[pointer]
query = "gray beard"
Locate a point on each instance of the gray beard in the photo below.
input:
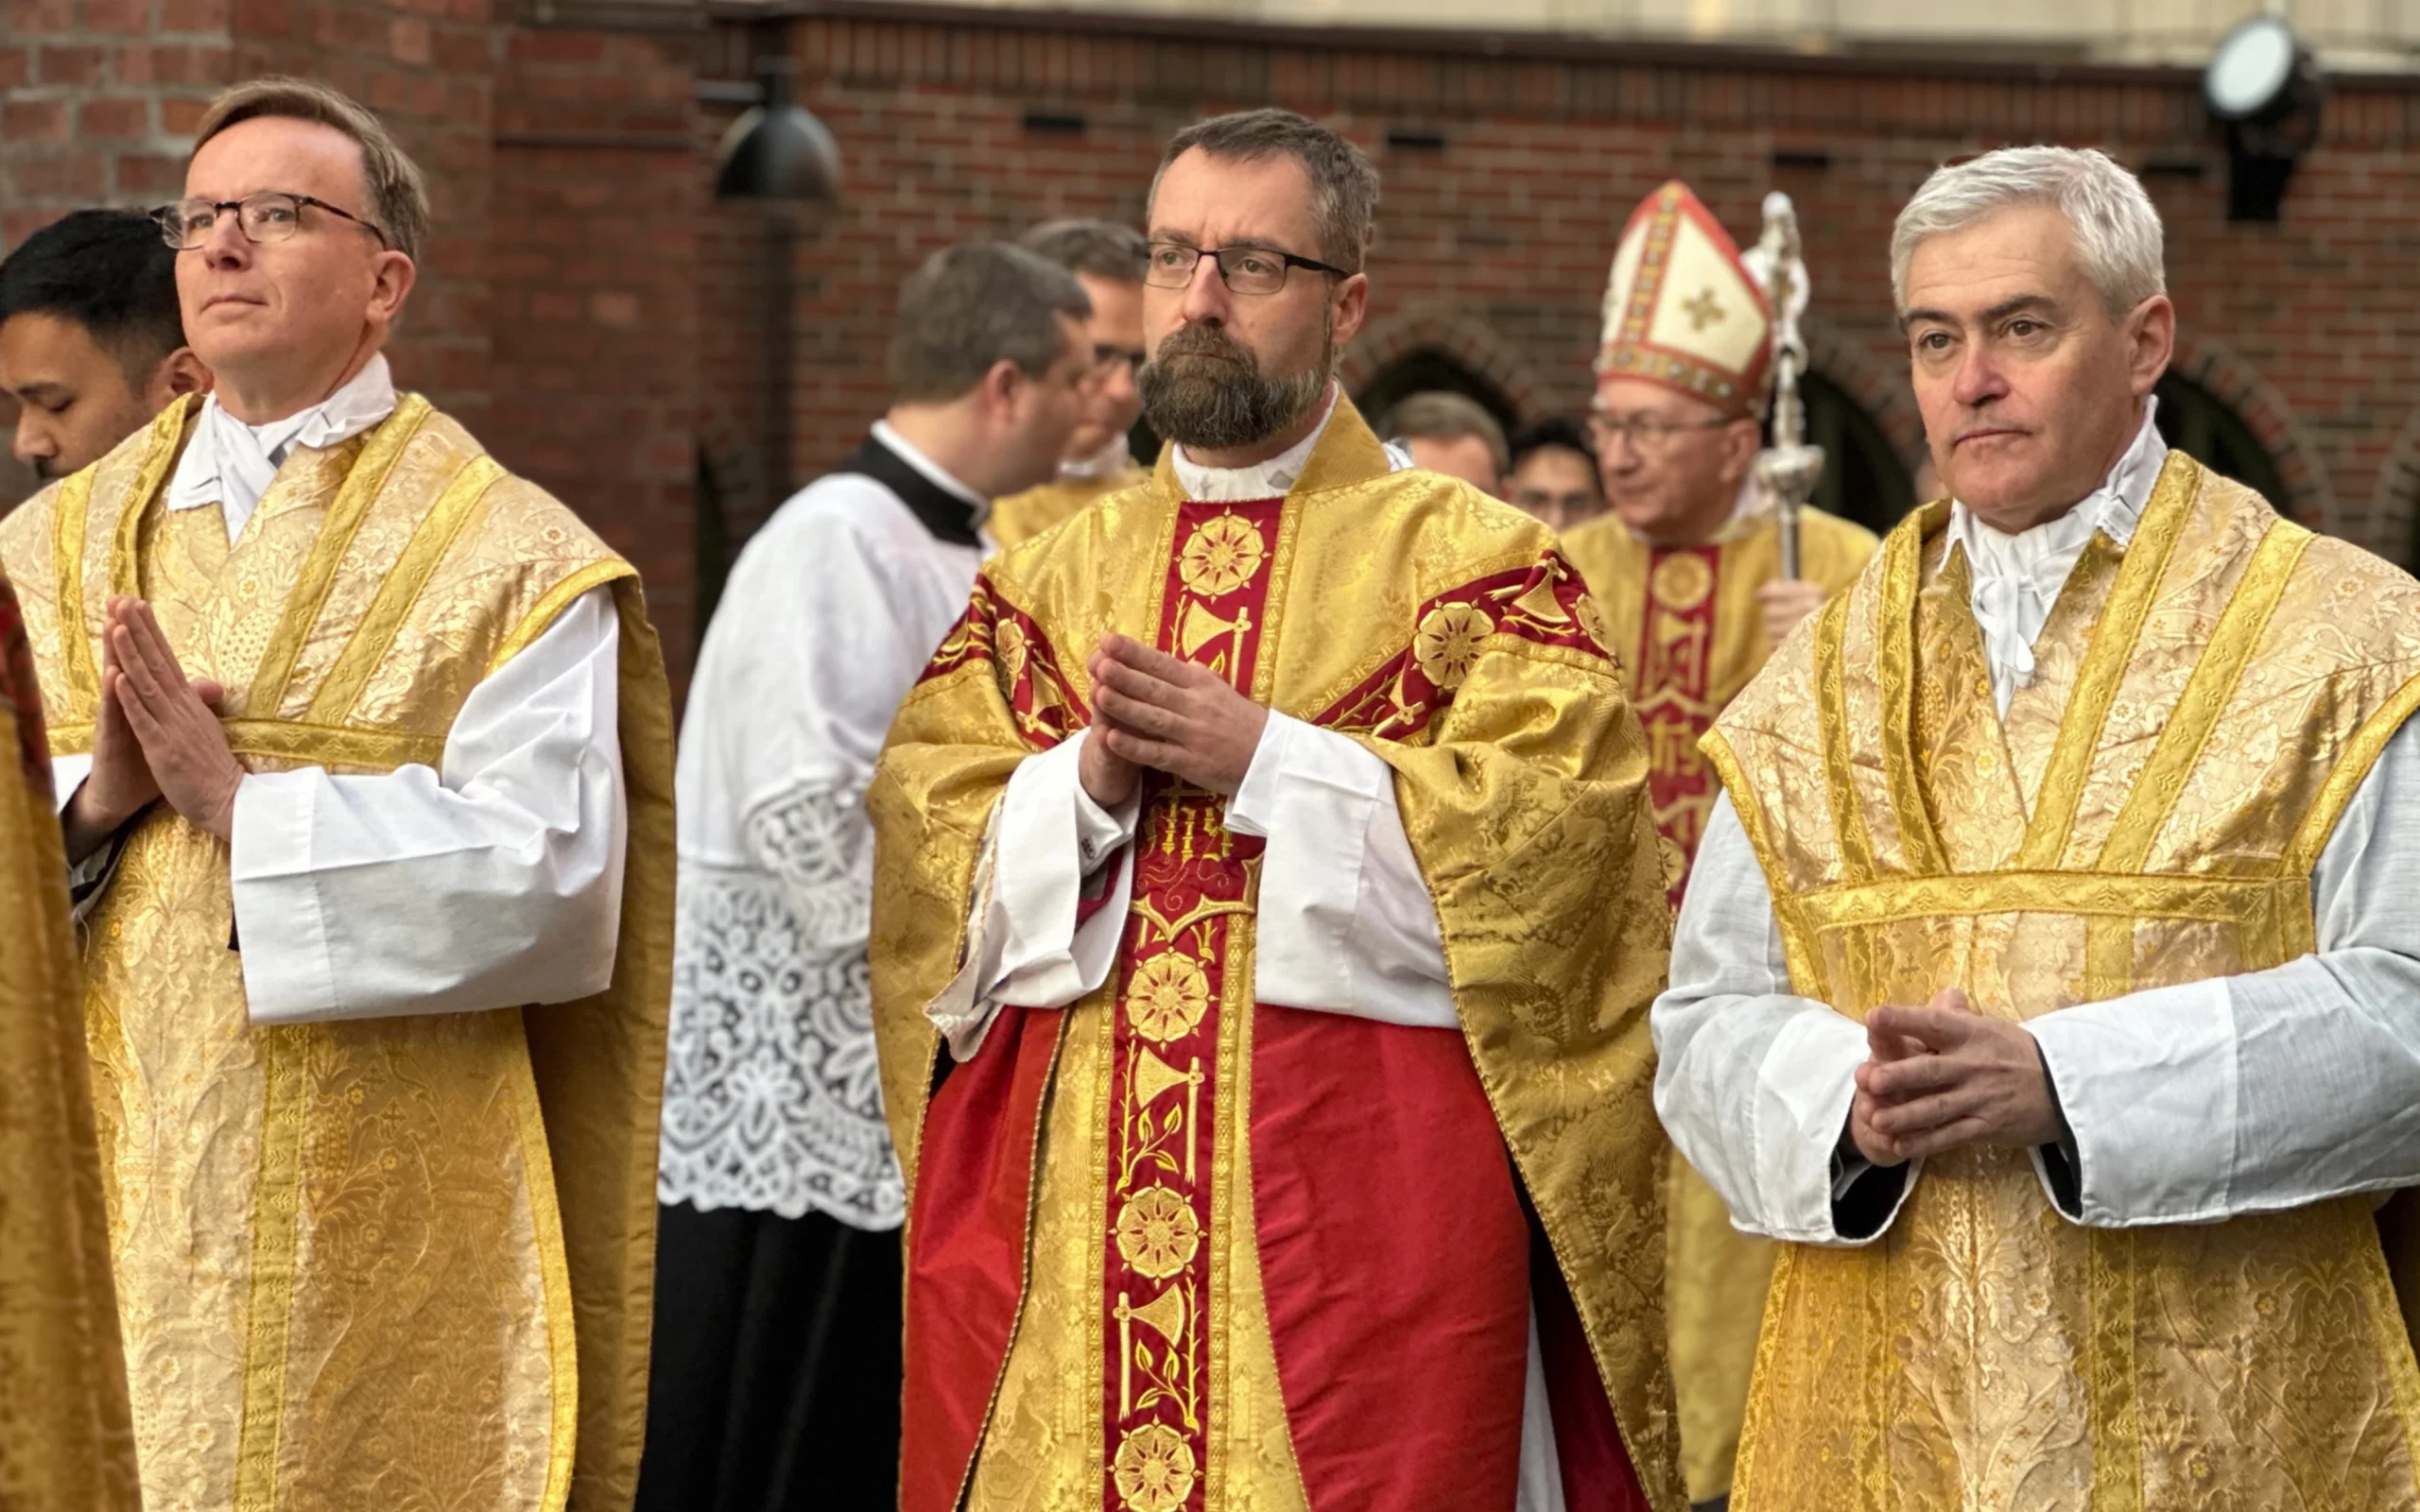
(1213, 404)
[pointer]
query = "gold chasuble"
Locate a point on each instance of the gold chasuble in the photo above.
(1685, 621)
(2149, 813)
(1175, 1250)
(64, 1437)
(386, 1262)
(1020, 517)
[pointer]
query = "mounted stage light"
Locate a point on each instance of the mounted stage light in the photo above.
(2263, 87)
(778, 150)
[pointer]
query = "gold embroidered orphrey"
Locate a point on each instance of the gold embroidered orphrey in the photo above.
(1556, 1035)
(2149, 813)
(402, 1261)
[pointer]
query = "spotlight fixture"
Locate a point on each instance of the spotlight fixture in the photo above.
(778, 150)
(2263, 88)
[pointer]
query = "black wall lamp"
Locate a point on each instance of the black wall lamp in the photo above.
(2263, 88)
(777, 149)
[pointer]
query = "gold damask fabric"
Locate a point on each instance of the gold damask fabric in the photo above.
(1685, 621)
(396, 1262)
(2148, 812)
(1523, 797)
(1020, 517)
(65, 1441)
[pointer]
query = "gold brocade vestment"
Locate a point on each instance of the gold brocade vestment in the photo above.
(1143, 1372)
(64, 1437)
(1686, 622)
(2148, 813)
(397, 1263)
(1020, 517)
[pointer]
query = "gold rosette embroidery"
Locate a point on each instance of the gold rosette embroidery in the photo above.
(1448, 643)
(1592, 620)
(1154, 1468)
(1221, 556)
(1681, 581)
(1157, 1232)
(1167, 997)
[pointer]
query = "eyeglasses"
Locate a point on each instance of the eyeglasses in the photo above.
(270, 216)
(1646, 433)
(1246, 269)
(1108, 359)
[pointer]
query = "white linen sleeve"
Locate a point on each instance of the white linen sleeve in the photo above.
(1753, 1082)
(2273, 1089)
(1345, 923)
(1047, 844)
(494, 882)
(68, 774)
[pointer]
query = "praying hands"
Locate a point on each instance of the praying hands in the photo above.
(1942, 1076)
(157, 736)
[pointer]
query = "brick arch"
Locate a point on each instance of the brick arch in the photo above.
(2310, 497)
(2395, 512)
(1879, 387)
(1459, 334)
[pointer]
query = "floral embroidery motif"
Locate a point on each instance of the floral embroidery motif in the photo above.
(1223, 553)
(1154, 1469)
(1448, 641)
(1157, 1232)
(1167, 997)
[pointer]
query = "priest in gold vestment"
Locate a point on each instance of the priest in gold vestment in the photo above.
(2048, 980)
(1260, 950)
(1687, 567)
(65, 1438)
(365, 747)
(1107, 259)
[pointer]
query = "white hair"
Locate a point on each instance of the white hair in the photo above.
(2116, 230)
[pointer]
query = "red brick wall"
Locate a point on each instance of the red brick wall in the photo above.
(1498, 243)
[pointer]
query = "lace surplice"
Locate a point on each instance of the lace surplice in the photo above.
(770, 1097)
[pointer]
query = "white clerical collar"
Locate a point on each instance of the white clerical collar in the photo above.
(230, 464)
(1261, 480)
(933, 471)
(2017, 578)
(1106, 463)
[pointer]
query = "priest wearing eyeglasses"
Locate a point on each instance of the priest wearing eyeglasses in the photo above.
(1266, 913)
(365, 748)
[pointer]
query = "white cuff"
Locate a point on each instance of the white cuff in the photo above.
(1344, 922)
(1803, 1090)
(68, 774)
(2150, 1086)
(281, 930)
(1023, 943)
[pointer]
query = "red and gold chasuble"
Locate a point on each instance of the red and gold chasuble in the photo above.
(1173, 1249)
(1686, 619)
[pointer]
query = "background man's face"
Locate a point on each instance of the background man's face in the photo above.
(1678, 482)
(1457, 456)
(297, 301)
(1558, 486)
(1048, 410)
(1115, 338)
(75, 400)
(2029, 389)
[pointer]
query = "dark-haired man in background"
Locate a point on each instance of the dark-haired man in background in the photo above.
(1452, 434)
(1107, 260)
(1554, 473)
(776, 1369)
(91, 344)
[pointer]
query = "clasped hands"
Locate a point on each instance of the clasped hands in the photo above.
(157, 736)
(1150, 708)
(1942, 1076)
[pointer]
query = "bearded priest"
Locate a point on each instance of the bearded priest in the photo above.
(366, 753)
(1266, 910)
(2048, 983)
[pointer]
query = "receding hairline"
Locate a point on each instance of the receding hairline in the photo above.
(1156, 232)
(356, 151)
